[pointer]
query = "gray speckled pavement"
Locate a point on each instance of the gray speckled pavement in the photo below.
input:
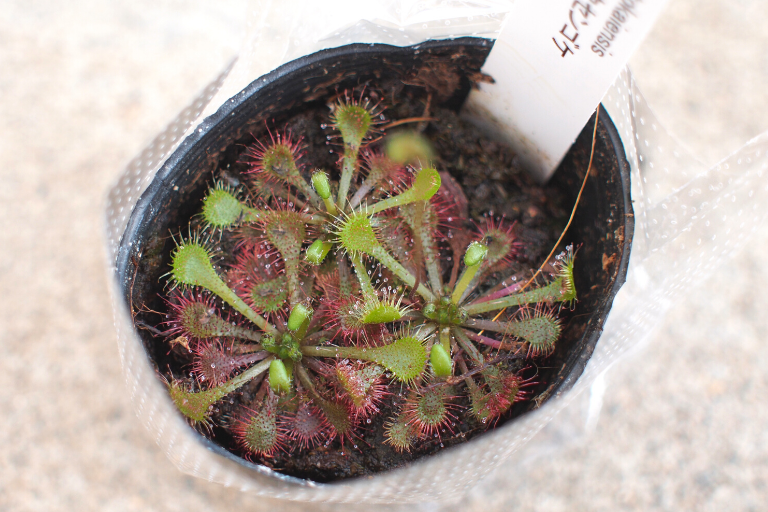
(84, 84)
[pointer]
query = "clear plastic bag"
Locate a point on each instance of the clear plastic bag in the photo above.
(688, 219)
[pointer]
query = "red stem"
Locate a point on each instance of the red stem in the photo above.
(483, 339)
(509, 290)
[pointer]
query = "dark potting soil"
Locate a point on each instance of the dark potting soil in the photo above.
(488, 175)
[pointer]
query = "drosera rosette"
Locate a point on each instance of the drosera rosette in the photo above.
(280, 351)
(473, 352)
(353, 299)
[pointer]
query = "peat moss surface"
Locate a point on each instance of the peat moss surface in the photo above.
(351, 290)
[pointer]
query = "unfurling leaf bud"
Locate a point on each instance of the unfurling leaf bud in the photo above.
(279, 380)
(317, 252)
(475, 254)
(321, 184)
(299, 315)
(440, 361)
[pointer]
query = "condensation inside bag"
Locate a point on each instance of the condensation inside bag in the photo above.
(688, 219)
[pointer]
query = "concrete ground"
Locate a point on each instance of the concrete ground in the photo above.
(84, 85)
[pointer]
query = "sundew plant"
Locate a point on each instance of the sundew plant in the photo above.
(346, 289)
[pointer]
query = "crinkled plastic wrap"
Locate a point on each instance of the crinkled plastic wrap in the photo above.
(688, 219)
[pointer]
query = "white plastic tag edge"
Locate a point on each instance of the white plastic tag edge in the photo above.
(552, 64)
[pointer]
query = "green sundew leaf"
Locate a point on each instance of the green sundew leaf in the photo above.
(338, 416)
(479, 402)
(192, 266)
(541, 332)
(353, 121)
(502, 382)
(565, 272)
(503, 387)
(278, 160)
(286, 231)
(405, 358)
(358, 383)
(429, 408)
(195, 406)
(381, 314)
(201, 321)
(260, 434)
(559, 290)
(399, 433)
(269, 296)
(425, 185)
(356, 234)
(221, 209)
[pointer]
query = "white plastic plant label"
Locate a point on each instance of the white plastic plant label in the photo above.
(552, 64)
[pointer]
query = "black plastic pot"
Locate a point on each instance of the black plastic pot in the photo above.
(603, 226)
